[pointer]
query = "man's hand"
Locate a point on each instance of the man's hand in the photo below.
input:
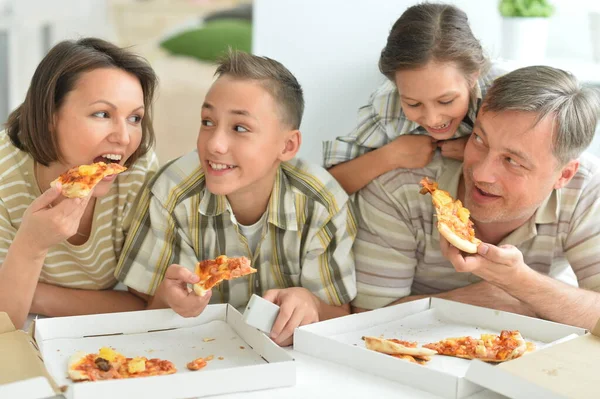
(500, 266)
(454, 148)
(174, 292)
(411, 151)
(298, 307)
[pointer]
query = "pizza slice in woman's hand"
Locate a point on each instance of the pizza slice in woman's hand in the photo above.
(454, 222)
(213, 271)
(78, 182)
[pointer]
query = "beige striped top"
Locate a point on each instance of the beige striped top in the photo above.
(306, 237)
(397, 249)
(87, 266)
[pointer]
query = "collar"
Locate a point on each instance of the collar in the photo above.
(281, 210)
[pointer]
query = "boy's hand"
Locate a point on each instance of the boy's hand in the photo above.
(298, 307)
(175, 293)
(411, 151)
(454, 148)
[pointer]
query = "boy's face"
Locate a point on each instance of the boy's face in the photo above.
(242, 139)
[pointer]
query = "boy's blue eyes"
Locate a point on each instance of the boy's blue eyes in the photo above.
(237, 128)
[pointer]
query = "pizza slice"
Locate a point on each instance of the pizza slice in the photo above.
(454, 222)
(397, 347)
(108, 364)
(79, 181)
(104, 365)
(489, 347)
(213, 271)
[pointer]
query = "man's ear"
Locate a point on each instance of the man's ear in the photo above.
(291, 145)
(566, 174)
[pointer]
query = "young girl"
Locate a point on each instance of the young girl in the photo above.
(88, 101)
(437, 76)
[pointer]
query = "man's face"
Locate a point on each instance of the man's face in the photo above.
(509, 168)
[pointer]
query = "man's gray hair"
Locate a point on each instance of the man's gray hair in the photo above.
(550, 92)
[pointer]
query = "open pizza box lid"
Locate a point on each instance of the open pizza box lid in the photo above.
(567, 369)
(22, 371)
(238, 349)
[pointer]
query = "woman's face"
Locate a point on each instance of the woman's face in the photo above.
(435, 96)
(100, 120)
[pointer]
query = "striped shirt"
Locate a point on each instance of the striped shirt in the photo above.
(306, 237)
(382, 120)
(87, 266)
(398, 251)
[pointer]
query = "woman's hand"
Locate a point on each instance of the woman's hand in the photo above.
(45, 225)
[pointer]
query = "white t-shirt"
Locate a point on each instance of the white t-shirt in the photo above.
(253, 233)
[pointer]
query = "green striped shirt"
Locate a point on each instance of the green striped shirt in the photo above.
(382, 120)
(307, 235)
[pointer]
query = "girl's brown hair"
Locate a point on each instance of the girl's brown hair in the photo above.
(432, 32)
(29, 125)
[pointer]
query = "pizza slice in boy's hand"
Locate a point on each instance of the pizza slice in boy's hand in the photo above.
(79, 181)
(453, 219)
(213, 271)
(489, 348)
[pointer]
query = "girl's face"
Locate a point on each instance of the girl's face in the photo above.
(100, 120)
(436, 96)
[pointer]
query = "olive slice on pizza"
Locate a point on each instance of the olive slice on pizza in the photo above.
(78, 182)
(454, 222)
(213, 271)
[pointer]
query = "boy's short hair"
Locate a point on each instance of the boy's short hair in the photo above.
(274, 77)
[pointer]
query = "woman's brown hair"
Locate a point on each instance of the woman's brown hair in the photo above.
(29, 125)
(432, 32)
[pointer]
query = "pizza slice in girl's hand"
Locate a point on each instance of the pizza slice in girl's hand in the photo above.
(489, 348)
(213, 271)
(454, 221)
(79, 181)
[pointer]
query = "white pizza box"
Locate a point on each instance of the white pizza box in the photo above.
(424, 321)
(250, 360)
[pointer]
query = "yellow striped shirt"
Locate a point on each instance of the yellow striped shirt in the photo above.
(87, 266)
(306, 238)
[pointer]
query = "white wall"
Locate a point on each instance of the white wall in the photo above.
(332, 46)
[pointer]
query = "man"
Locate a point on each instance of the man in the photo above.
(534, 200)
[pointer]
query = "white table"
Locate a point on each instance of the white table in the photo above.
(317, 378)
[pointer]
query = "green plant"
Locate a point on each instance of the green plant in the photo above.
(526, 8)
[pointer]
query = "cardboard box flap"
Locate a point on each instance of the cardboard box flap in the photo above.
(564, 370)
(20, 355)
(596, 330)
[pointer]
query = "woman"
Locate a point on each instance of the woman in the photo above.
(437, 76)
(88, 101)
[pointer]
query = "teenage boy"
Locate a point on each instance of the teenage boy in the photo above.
(242, 193)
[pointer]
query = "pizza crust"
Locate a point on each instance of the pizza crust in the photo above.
(453, 239)
(392, 348)
(199, 290)
(73, 190)
(75, 359)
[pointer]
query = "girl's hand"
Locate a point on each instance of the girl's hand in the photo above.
(45, 225)
(454, 148)
(412, 151)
